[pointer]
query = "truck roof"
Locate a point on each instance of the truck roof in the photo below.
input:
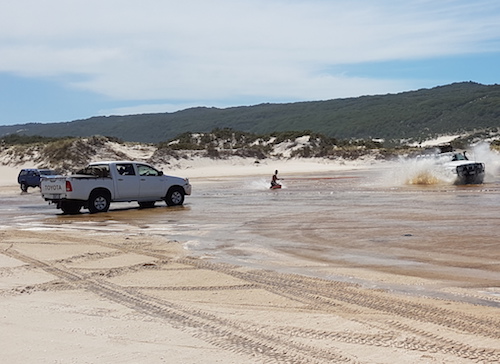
(120, 161)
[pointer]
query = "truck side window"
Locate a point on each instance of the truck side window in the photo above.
(146, 170)
(125, 169)
(101, 171)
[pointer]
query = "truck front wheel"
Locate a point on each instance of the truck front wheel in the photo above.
(175, 196)
(99, 202)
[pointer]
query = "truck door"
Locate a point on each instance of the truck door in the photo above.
(127, 181)
(152, 183)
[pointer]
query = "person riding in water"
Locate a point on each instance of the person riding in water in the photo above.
(274, 180)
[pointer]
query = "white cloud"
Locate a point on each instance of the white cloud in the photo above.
(220, 50)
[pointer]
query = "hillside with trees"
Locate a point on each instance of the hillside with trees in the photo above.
(415, 115)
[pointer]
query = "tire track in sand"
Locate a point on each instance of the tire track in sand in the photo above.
(284, 345)
(226, 334)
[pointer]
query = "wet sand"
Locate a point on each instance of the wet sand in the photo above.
(335, 267)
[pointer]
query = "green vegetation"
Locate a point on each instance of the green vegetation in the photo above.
(67, 153)
(495, 145)
(59, 153)
(21, 139)
(224, 143)
(411, 116)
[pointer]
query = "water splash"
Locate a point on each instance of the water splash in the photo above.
(483, 153)
(427, 170)
(260, 184)
(423, 178)
(415, 171)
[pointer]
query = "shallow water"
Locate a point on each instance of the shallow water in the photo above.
(320, 225)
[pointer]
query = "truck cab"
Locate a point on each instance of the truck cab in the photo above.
(100, 183)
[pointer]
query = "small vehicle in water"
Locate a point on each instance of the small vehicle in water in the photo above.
(463, 171)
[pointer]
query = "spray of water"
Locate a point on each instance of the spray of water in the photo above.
(483, 153)
(419, 171)
(257, 184)
(260, 184)
(426, 171)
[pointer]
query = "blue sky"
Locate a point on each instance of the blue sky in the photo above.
(65, 60)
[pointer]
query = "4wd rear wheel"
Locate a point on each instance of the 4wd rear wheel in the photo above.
(24, 187)
(99, 202)
(70, 207)
(146, 204)
(175, 196)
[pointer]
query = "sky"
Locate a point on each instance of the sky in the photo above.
(64, 60)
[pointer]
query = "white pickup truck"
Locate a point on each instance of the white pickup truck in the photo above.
(100, 183)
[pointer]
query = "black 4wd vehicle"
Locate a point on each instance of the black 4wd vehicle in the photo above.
(30, 177)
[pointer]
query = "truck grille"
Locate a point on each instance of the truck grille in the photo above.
(470, 169)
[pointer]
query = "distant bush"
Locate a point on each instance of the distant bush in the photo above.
(223, 143)
(289, 135)
(60, 150)
(180, 146)
(20, 139)
(212, 152)
(184, 141)
(113, 139)
(252, 152)
(495, 145)
(233, 138)
(67, 153)
(306, 152)
(218, 138)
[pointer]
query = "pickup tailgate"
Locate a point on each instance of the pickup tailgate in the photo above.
(53, 188)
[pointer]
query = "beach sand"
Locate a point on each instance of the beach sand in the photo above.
(121, 297)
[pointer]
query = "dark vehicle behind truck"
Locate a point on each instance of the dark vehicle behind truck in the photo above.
(30, 177)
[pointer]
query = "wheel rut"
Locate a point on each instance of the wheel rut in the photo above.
(401, 326)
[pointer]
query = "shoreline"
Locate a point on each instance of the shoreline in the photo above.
(233, 167)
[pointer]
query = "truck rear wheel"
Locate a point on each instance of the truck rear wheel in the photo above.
(146, 204)
(175, 196)
(70, 207)
(99, 202)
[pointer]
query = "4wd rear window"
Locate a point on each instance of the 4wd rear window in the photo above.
(98, 170)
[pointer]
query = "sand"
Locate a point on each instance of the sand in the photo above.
(116, 297)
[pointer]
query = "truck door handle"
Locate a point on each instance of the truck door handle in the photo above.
(143, 179)
(120, 179)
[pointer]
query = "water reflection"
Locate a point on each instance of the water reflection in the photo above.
(319, 224)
